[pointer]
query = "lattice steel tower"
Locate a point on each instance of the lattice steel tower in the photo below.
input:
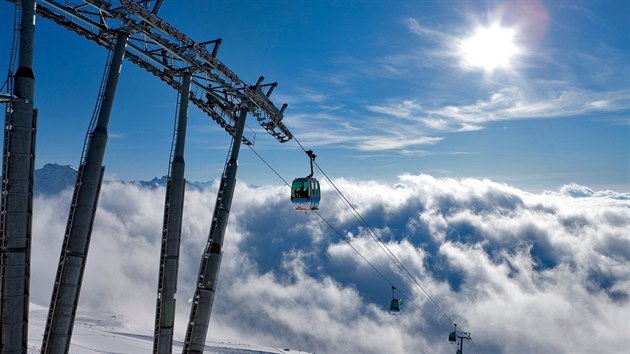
(133, 31)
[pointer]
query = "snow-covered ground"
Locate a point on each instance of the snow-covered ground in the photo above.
(106, 333)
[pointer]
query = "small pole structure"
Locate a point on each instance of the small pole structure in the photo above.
(455, 335)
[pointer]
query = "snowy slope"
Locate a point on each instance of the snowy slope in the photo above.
(54, 178)
(105, 334)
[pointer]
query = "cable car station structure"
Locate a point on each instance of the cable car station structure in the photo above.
(133, 31)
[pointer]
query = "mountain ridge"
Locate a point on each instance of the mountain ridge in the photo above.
(54, 178)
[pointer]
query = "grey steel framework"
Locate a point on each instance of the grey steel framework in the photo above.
(17, 193)
(76, 242)
(128, 30)
(211, 259)
(172, 228)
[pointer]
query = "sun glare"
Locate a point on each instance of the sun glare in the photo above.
(489, 48)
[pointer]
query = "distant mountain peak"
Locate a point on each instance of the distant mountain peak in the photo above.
(53, 178)
(162, 181)
(56, 166)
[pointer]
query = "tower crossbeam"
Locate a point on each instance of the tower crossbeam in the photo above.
(165, 51)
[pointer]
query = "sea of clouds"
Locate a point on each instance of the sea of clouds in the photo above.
(526, 273)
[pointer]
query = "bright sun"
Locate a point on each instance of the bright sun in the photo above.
(489, 48)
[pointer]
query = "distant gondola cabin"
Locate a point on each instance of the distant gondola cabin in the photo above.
(305, 193)
(394, 306)
(452, 337)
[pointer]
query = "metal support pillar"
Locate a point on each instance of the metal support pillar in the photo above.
(171, 231)
(452, 337)
(17, 194)
(211, 259)
(67, 287)
(156, 7)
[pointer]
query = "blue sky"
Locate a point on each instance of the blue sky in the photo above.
(376, 88)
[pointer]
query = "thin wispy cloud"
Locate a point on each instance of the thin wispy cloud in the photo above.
(510, 104)
(514, 103)
(392, 142)
(373, 134)
(582, 11)
(420, 122)
(434, 35)
(116, 136)
(404, 109)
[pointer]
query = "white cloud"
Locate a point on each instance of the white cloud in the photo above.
(518, 270)
(376, 143)
(514, 103)
(404, 109)
(373, 134)
(440, 37)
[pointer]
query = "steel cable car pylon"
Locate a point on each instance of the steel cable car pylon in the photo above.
(455, 334)
(203, 299)
(172, 227)
(17, 192)
(305, 191)
(73, 258)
